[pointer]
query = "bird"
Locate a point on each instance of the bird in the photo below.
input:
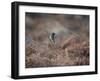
(52, 37)
(52, 40)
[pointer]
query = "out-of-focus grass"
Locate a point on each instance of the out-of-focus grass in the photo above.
(71, 53)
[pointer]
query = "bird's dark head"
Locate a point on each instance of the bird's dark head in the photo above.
(53, 34)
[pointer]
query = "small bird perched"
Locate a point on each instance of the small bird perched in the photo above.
(52, 38)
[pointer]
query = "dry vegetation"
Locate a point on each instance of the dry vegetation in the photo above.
(71, 47)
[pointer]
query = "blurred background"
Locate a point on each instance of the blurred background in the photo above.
(69, 46)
